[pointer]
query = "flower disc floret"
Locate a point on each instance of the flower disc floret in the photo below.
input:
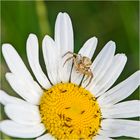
(70, 112)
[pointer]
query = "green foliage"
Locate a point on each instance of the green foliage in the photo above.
(19, 18)
(107, 20)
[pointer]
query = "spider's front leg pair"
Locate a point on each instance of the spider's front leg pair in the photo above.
(74, 55)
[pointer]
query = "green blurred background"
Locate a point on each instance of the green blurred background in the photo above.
(107, 20)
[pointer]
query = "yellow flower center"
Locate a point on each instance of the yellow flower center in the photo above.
(70, 112)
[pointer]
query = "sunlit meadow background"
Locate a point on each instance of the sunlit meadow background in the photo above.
(108, 20)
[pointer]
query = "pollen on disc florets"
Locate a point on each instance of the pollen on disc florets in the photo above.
(70, 112)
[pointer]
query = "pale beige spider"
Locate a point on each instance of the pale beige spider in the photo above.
(82, 65)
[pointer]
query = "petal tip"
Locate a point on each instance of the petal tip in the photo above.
(47, 39)
(94, 39)
(59, 15)
(31, 35)
(123, 55)
(111, 43)
(6, 46)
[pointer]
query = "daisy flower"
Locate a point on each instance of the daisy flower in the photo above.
(60, 104)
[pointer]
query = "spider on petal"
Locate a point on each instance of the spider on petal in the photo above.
(82, 65)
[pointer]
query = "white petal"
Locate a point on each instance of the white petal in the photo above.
(24, 89)
(87, 50)
(64, 42)
(23, 113)
(99, 137)
(106, 53)
(110, 76)
(14, 129)
(120, 91)
(16, 65)
(101, 63)
(89, 47)
(51, 58)
(6, 99)
(33, 58)
(126, 109)
(119, 127)
(14, 62)
(46, 137)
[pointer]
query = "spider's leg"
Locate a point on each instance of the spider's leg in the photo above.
(75, 64)
(74, 54)
(87, 76)
(91, 77)
(68, 60)
(90, 74)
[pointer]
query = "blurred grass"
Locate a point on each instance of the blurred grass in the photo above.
(107, 20)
